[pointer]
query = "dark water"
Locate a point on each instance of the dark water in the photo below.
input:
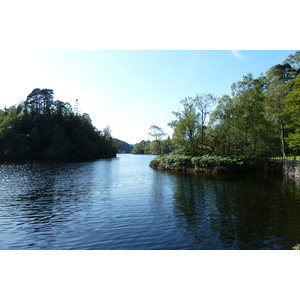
(121, 203)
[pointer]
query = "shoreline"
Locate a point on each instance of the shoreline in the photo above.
(208, 170)
(283, 168)
(187, 166)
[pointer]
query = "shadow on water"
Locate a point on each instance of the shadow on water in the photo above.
(238, 212)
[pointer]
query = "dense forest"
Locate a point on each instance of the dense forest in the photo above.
(261, 117)
(41, 128)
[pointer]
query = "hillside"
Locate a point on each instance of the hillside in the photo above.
(124, 147)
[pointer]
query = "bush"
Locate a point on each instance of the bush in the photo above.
(216, 160)
(174, 159)
(204, 161)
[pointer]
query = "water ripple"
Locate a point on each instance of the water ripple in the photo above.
(123, 204)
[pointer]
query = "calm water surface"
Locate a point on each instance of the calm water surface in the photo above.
(121, 203)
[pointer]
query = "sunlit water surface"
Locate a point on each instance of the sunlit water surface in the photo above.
(121, 203)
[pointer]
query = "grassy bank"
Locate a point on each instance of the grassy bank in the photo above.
(207, 163)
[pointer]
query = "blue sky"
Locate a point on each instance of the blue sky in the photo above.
(129, 90)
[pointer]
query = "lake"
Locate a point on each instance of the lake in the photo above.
(121, 203)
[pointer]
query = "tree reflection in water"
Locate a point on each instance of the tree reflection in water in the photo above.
(237, 211)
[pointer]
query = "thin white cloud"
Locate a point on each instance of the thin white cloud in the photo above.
(237, 54)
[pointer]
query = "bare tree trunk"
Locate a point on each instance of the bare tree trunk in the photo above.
(282, 138)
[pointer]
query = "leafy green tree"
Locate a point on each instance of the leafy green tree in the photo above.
(143, 147)
(294, 61)
(239, 124)
(168, 146)
(284, 72)
(62, 108)
(224, 130)
(110, 145)
(12, 142)
(275, 107)
(157, 134)
(253, 127)
(40, 100)
(187, 127)
(204, 104)
(191, 126)
(292, 102)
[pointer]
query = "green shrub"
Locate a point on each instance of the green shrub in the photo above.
(174, 159)
(203, 161)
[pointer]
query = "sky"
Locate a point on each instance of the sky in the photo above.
(129, 90)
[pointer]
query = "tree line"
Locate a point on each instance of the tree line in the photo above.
(41, 128)
(261, 117)
(158, 144)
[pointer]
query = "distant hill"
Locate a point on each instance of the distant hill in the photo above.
(124, 147)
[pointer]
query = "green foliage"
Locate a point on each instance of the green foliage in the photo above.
(41, 128)
(292, 102)
(142, 147)
(285, 72)
(187, 127)
(256, 121)
(294, 61)
(239, 123)
(150, 147)
(203, 161)
(217, 160)
(190, 129)
(174, 159)
(274, 106)
(157, 134)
